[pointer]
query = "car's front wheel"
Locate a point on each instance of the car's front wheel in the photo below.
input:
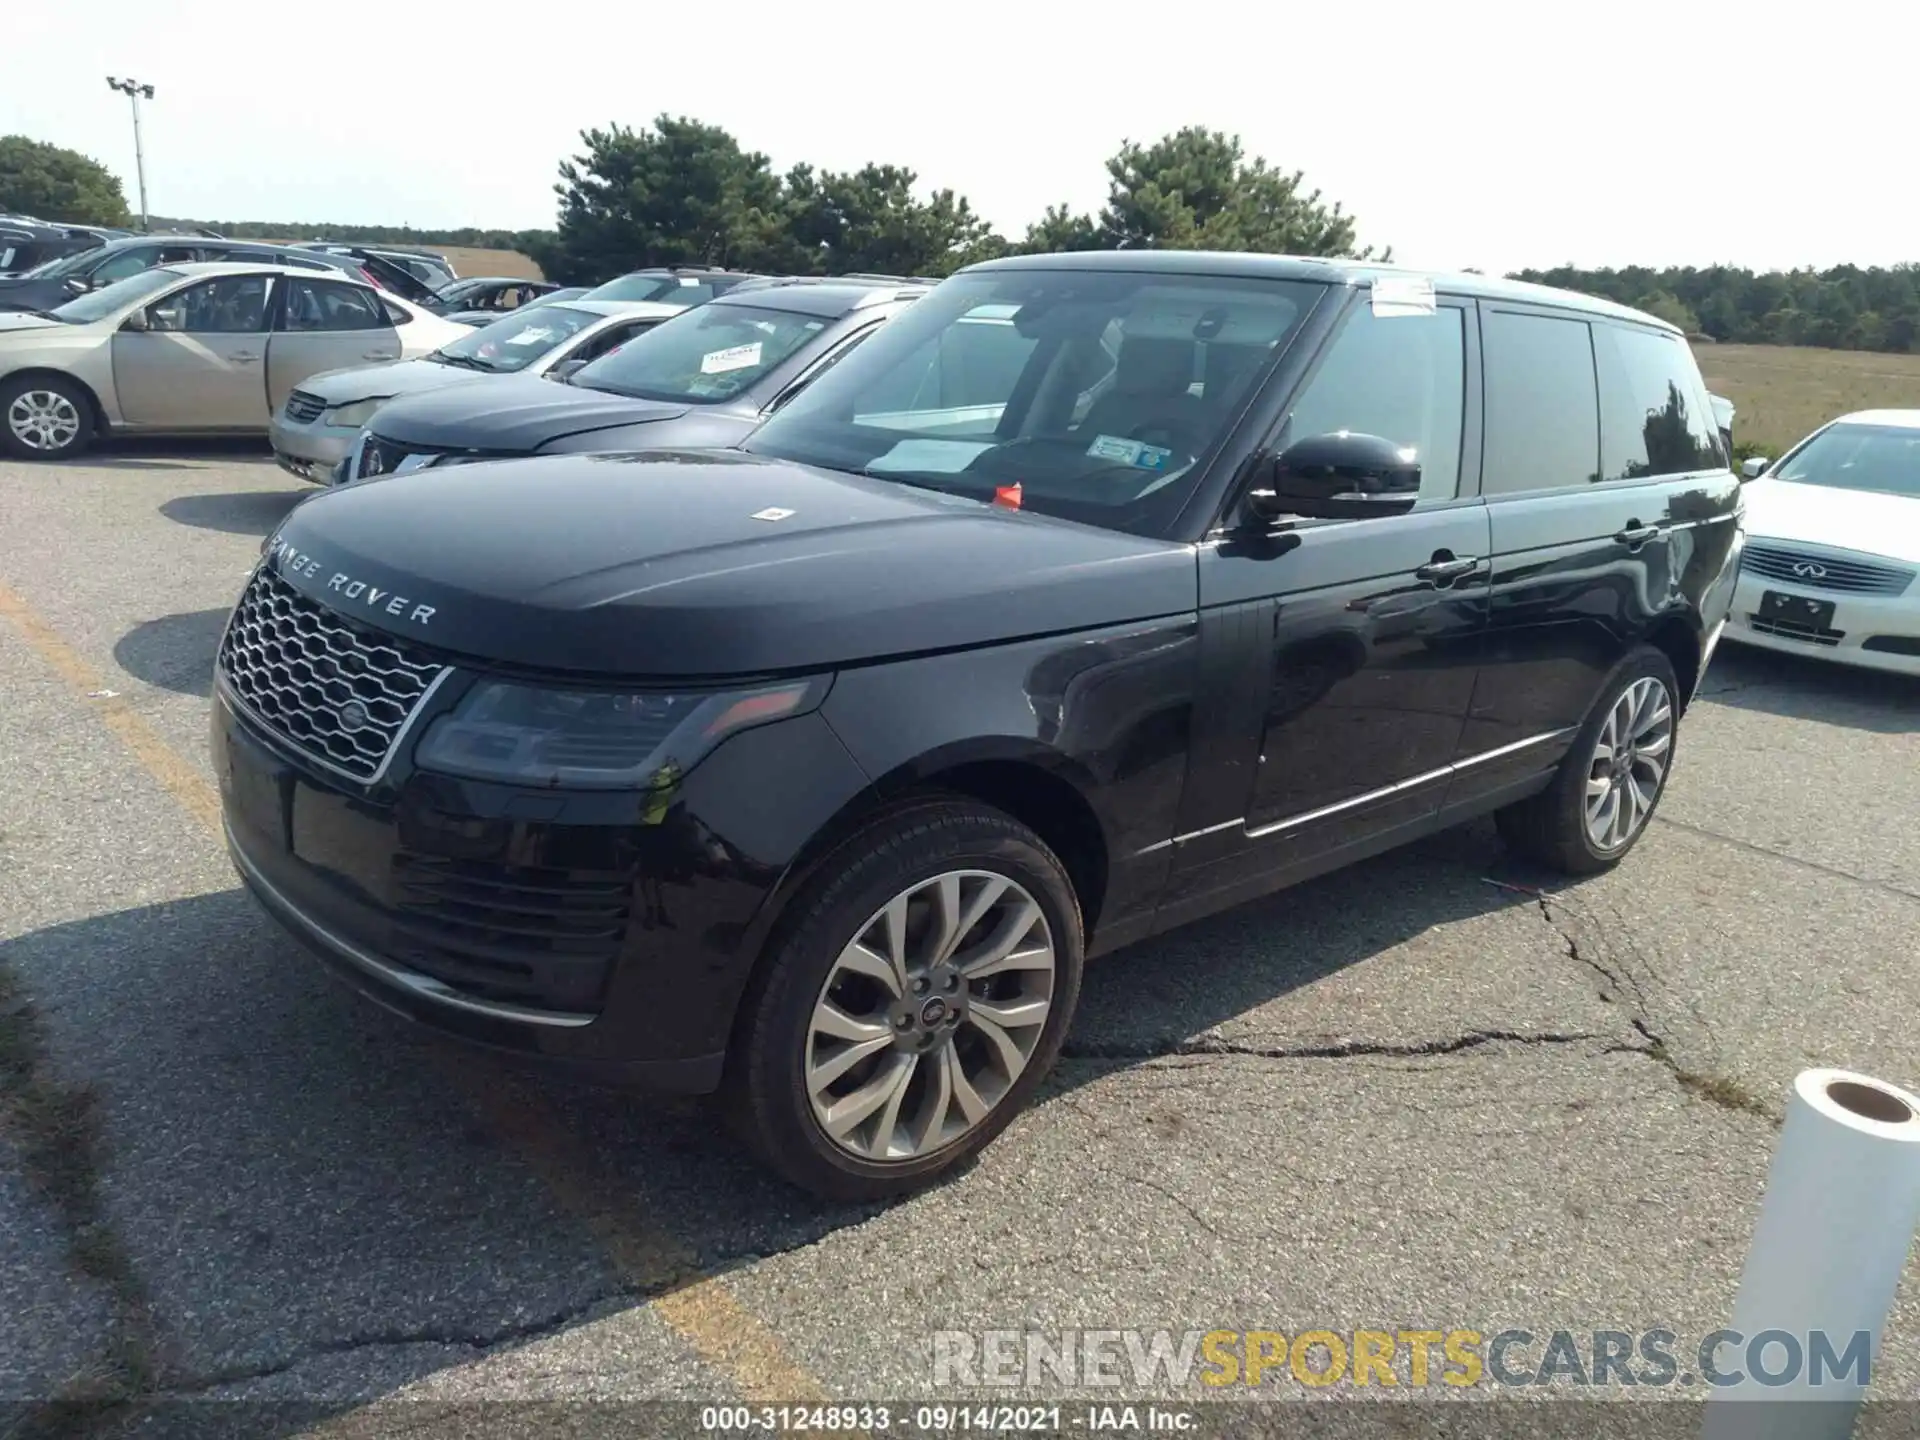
(44, 417)
(1610, 781)
(923, 992)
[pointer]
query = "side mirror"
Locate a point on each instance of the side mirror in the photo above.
(136, 321)
(565, 369)
(1754, 467)
(1342, 476)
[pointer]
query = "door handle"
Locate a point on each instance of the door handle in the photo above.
(1636, 534)
(243, 357)
(379, 355)
(1444, 569)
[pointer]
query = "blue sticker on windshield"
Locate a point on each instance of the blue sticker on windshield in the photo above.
(1129, 452)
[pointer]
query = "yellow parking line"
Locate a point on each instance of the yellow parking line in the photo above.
(702, 1310)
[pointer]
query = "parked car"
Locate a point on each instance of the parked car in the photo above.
(26, 245)
(317, 427)
(706, 377)
(60, 280)
(551, 297)
(191, 348)
(1833, 547)
(689, 284)
(493, 294)
(812, 770)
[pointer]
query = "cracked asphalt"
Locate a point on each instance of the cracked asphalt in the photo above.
(1437, 1090)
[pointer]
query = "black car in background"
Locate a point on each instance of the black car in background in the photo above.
(706, 377)
(59, 280)
(1093, 594)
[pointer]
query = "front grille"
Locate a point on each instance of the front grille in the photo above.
(1790, 630)
(1814, 571)
(332, 689)
(529, 935)
(304, 409)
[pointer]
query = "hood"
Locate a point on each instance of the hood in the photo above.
(670, 564)
(20, 293)
(16, 320)
(1868, 521)
(512, 412)
(406, 377)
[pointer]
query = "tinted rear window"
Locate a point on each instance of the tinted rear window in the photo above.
(1655, 417)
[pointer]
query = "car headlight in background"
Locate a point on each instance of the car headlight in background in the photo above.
(596, 739)
(355, 415)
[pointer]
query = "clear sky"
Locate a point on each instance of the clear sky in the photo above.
(1475, 133)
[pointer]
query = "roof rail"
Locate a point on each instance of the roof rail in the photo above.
(888, 279)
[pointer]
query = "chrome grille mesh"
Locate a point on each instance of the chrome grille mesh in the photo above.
(332, 689)
(303, 409)
(1816, 571)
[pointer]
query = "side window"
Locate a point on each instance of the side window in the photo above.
(1401, 377)
(230, 305)
(1543, 403)
(611, 339)
(824, 366)
(331, 305)
(1654, 416)
(127, 262)
(395, 315)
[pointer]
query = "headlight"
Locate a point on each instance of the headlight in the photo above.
(598, 740)
(355, 415)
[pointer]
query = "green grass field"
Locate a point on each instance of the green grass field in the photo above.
(1781, 392)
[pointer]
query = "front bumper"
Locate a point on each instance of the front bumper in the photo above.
(549, 926)
(1873, 632)
(312, 451)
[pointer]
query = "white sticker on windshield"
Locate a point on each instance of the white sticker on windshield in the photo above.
(531, 337)
(688, 280)
(740, 357)
(929, 457)
(1396, 295)
(1128, 452)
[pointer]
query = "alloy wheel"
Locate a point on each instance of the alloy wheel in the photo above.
(929, 1015)
(1628, 764)
(43, 420)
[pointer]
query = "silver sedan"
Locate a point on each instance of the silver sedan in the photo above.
(317, 427)
(191, 349)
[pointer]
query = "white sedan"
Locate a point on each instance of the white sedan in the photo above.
(201, 348)
(1833, 545)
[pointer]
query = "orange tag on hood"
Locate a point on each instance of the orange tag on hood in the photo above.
(1007, 495)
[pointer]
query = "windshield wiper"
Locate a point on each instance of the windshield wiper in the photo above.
(465, 362)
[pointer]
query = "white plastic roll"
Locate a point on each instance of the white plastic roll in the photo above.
(1842, 1201)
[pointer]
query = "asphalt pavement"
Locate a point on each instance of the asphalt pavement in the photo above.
(1437, 1091)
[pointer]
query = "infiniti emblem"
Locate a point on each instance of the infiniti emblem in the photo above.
(1807, 570)
(353, 716)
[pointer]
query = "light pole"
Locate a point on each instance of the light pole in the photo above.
(133, 90)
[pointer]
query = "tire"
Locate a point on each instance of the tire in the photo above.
(1552, 828)
(959, 851)
(44, 417)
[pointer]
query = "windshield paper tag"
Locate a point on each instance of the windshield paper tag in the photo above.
(1128, 452)
(740, 357)
(533, 336)
(1397, 296)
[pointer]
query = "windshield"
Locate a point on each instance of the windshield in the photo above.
(515, 341)
(645, 287)
(62, 264)
(705, 355)
(1883, 458)
(1098, 394)
(98, 304)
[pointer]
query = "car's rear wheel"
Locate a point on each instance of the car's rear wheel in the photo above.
(922, 994)
(43, 417)
(1612, 778)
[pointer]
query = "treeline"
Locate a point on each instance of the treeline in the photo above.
(470, 236)
(1845, 308)
(683, 192)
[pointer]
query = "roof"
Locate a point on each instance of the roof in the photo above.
(252, 267)
(1324, 271)
(830, 298)
(1894, 419)
(618, 307)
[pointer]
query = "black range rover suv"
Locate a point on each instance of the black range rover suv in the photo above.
(811, 771)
